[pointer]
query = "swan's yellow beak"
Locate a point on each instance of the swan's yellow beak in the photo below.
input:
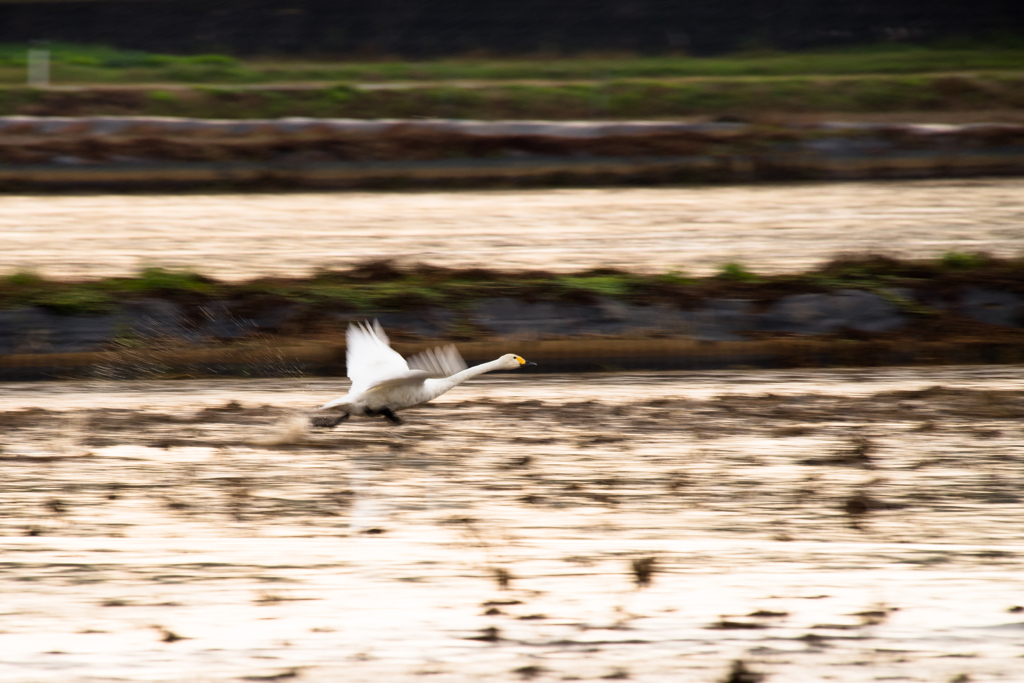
(523, 362)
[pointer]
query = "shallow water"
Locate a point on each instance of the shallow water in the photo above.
(770, 228)
(877, 517)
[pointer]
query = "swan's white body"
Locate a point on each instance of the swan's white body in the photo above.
(383, 382)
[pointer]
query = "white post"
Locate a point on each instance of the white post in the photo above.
(38, 68)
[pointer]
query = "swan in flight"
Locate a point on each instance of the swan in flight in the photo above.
(383, 382)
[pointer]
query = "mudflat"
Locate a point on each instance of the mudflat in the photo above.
(768, 228)
(814, 525)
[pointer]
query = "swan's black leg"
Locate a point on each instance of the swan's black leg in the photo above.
(328, 421)
(391, 417)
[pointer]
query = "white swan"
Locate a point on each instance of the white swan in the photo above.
(383, 382)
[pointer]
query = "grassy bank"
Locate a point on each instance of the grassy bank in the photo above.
(382, 286)
(179, 324)
(876, 78)
(78, 64)
(651, 99)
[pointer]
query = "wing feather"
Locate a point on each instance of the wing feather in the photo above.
(369, 358)
(443, 361)
(407, 377)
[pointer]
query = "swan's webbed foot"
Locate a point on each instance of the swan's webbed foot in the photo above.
(328, 421)
(386, 413)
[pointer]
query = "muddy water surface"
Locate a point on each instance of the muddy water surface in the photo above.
(770, 228)
(817, 525)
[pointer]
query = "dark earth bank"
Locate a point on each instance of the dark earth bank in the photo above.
(962, 297)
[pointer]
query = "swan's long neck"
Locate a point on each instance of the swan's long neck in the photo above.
(444, 384)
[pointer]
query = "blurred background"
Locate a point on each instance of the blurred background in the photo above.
(768, 256)
(412, 29)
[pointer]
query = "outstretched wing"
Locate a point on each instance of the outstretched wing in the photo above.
(443, 361)
(369, 358)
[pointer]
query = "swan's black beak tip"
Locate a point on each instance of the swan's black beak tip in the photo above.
(528, 364)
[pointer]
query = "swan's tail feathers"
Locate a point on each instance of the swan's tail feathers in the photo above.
(443, 361)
